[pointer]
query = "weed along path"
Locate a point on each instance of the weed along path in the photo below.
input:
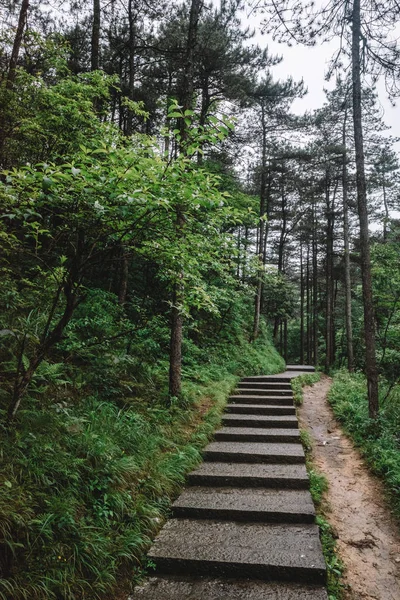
(243, 529)
(368, 537)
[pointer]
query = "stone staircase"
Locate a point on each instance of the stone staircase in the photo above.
(244, 527)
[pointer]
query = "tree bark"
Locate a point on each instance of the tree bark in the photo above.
(347, 271)
(308, 305)
(261, 227)
(132, 14)
(314, 293)
(301, 306)
(23, 13)
(95, 49)
(175, 357)
(123, 280)
(386, 205)
(369, 320)
(329, 273)
(50, 338)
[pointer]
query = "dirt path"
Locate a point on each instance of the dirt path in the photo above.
(368, 537)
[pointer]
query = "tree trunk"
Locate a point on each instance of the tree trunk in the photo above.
(175, 359)
(285, 340)
(132, 46)
(282, 236)
(261, 227)
(301, 306)
(188, 75)
(95, 50)
(23, 13)
(349, 325)
(385, 204)
(50, 338)
(246, 244)
(308, 306)
(314, 292)
(123, 280)
(329, 273)
(369, 321)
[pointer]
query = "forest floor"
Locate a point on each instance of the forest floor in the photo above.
(368, 537)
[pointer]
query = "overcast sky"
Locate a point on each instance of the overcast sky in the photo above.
(311, 65)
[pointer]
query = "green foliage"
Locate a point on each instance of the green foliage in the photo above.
(386, 281)
(92, 449)
(379, 442)
(318, 487)
(87, 483)
(335, 567)
(298, 383)
(279, 295)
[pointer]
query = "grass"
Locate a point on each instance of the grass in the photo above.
(318, 488)
(301, 381)
(86, 480)
(379, 442)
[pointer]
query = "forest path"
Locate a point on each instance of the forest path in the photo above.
(243, 529)
(368, 536)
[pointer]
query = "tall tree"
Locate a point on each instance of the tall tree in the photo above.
(186, 101)
(365, 255)
(23, 14)
(95, 48)
(365, 32)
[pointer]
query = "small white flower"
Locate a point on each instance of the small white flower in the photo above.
(99, 207)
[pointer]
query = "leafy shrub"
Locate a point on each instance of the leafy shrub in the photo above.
(379, 441)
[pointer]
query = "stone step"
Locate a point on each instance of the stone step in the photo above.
(238, 420)
(250, 475)
(268, 379)
(305, 368)
(268, 383)
(254, 434)
(204, 588)
(281, 400)
(249, 391)
(240, 504)
(264, 389)
(247, 550)
(260, 409)
(253, 452)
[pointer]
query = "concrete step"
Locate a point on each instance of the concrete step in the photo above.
(250, 475)
(254, 434)
(253, 391)
(238, 420)
(253, 452)
(204, 588)
(268, 383)
(268, 379)
(248, 399)
(246, 550)
(260, 409)
(240, 504)
(305, 368)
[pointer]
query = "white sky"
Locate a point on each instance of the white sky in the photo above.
(310, 63)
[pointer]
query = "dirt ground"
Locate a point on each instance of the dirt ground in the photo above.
(368, 536)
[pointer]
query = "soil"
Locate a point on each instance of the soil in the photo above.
(368, 537)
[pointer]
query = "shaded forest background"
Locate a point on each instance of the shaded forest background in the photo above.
(167, 221)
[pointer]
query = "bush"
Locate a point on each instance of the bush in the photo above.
(379, 441)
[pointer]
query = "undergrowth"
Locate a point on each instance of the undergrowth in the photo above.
(379, 441)
(301, 381)
(318, 488)
(88, 472)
